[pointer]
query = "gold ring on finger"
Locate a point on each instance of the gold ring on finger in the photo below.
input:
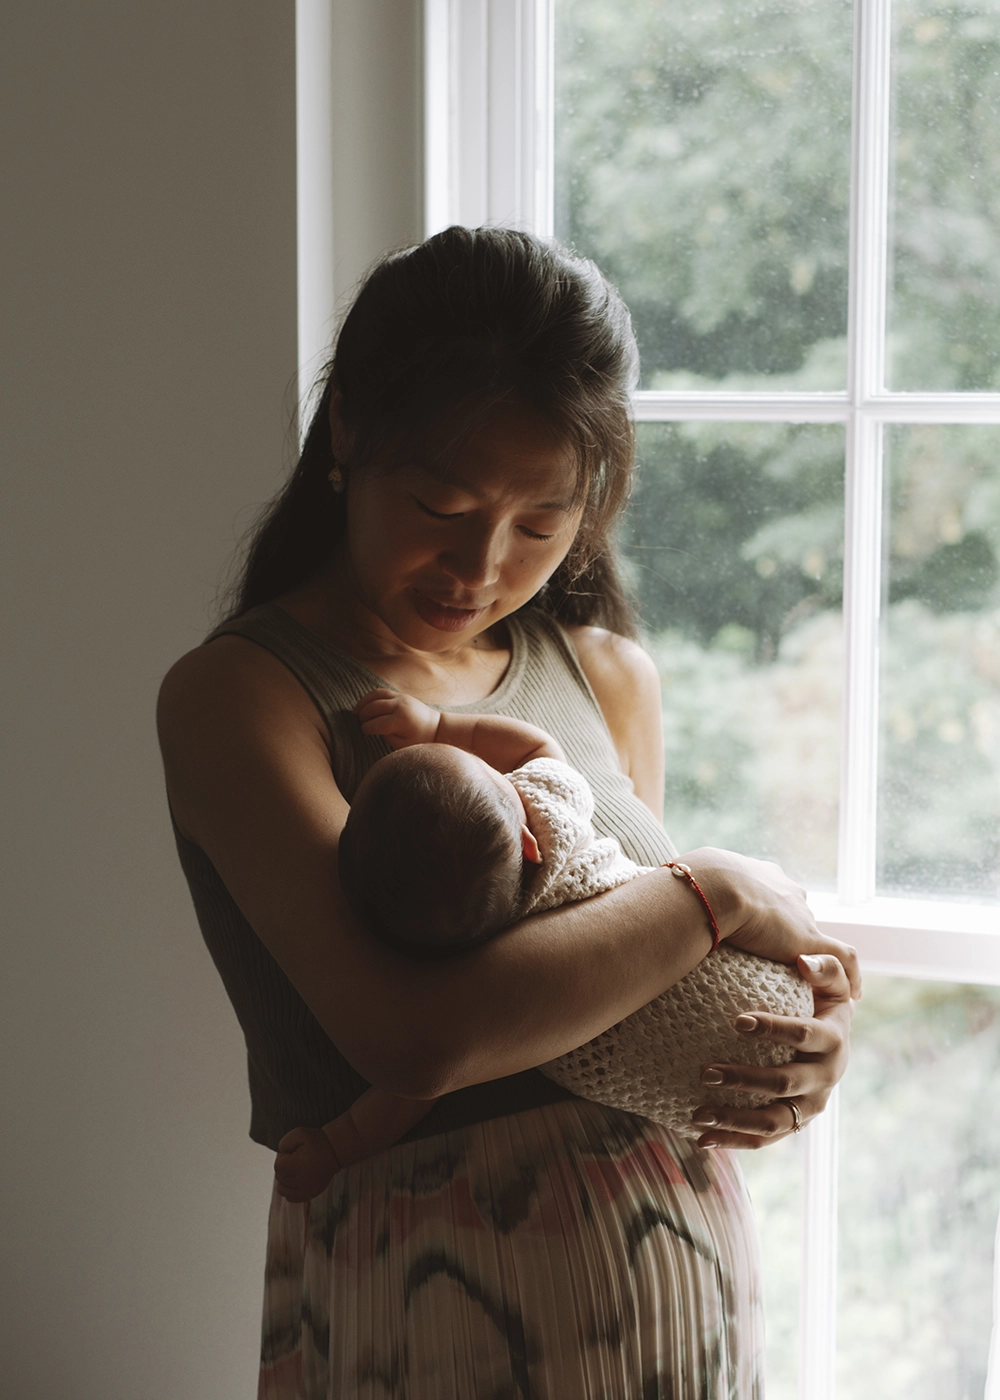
(798, 1122)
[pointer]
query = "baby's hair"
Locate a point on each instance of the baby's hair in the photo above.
(430, 859)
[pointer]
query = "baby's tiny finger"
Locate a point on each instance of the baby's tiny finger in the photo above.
(381, 693)
(377, 707)
(379, 724)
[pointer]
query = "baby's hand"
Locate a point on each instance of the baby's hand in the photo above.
(305, 1164)
(399, 719)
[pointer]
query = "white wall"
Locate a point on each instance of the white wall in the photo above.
(148, 333)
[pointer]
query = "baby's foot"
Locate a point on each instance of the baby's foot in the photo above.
(304, 1165)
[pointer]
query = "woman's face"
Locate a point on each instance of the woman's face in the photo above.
(440, 550)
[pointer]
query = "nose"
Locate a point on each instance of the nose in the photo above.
(474, 558)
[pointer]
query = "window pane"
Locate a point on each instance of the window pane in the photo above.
(734, 545)
(944, 293)
(702, 158)
(774, 1179)
(939, 766)
(919, 1191)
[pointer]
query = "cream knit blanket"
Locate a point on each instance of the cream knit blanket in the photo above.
(651, 1062)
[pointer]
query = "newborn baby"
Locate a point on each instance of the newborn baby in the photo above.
(442, 850)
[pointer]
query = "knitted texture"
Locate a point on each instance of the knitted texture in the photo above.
(651, 1062)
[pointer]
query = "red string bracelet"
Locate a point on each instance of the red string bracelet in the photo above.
(683, 872)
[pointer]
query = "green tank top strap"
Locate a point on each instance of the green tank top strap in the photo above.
(544, 685)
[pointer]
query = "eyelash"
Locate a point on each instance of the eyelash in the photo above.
(435, 514)
(438, 515)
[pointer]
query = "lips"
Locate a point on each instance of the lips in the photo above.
(444, 616)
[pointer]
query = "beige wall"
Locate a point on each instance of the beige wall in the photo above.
(148, 332)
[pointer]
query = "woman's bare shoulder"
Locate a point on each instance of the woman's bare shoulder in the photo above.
(231, 709)
(231, 677)
(610, 659)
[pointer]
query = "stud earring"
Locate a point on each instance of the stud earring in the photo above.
(336, 478)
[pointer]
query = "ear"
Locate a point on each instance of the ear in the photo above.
(529, 846)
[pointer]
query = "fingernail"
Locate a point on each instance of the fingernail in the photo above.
(713, 1076)
(705, 1118)
(813, 962)
(746, 1024)
(710, 1142)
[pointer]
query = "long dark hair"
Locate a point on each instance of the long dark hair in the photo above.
(436, 333)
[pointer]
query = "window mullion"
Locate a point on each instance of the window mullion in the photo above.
(862, 588)
(471, 152)
(862, 585)
(869, 201)
(818, 1305)
(866, 361)
(541, 106)
(440, 38)
(660, 406)
(488, 113)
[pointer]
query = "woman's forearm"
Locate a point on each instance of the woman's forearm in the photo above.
(543, 987)
(556, 980)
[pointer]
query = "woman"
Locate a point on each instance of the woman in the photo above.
(447, 532)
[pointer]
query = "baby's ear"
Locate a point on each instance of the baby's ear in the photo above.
(529, 847)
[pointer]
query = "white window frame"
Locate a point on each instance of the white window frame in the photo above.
(488, 122)
(488, 159)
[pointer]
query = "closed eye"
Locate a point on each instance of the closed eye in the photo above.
(437, 514)
(457, 515)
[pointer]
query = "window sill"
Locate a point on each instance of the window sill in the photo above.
(924, 938)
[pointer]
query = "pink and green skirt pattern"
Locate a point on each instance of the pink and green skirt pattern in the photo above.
(571, 1252)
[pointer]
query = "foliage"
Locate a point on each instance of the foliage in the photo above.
(939, 761)
(919, 1194)
(702, 158)
(752, 753)
(945, 283)
(736, 526)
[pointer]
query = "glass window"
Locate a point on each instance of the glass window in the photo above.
(945, 196)
(774, 1179)
(734, 545)
(919, 1191)
(939, 768)
(703, 160)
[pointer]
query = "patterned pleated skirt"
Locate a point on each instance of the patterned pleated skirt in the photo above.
(571, 1252)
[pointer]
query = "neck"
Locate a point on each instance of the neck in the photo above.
(333, 606)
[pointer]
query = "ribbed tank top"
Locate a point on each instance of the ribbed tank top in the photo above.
(297, 1075)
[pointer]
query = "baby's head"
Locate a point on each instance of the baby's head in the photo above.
(432, 854)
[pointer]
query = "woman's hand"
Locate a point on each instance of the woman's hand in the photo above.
(760, 910)
(821, 1043)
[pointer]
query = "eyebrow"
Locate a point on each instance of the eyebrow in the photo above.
(450, 479)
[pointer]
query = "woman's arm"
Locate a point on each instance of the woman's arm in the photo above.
(249, 780)
(618, 668)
